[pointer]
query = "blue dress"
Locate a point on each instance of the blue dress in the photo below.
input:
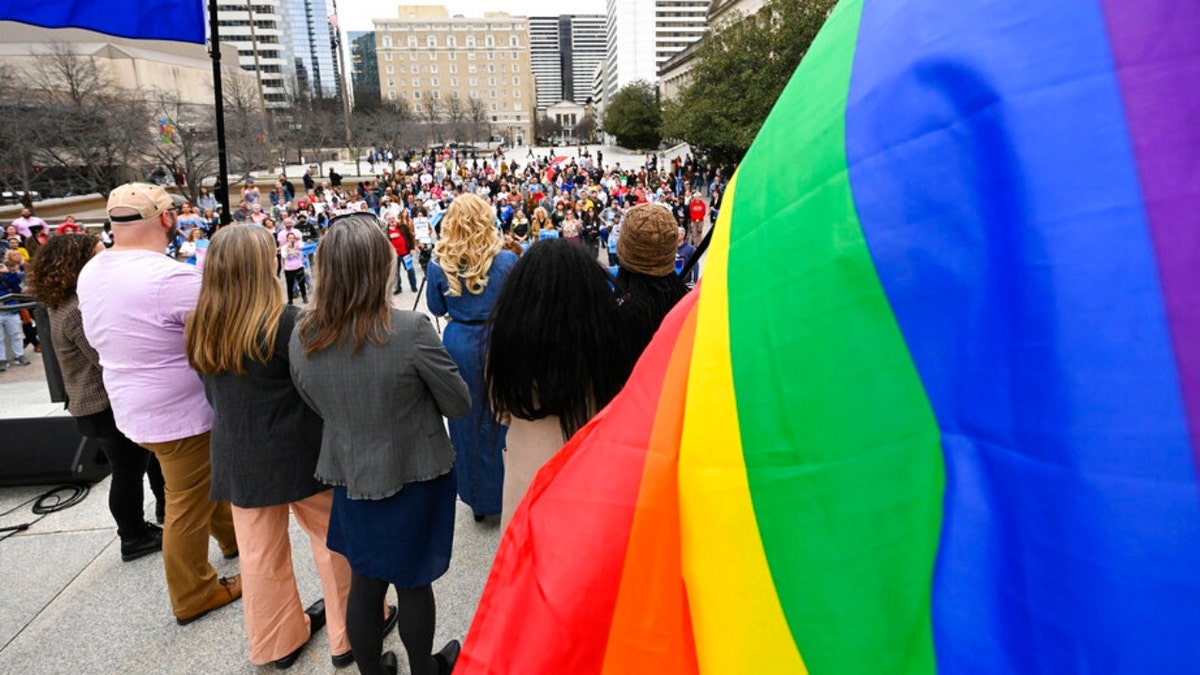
(477, 438)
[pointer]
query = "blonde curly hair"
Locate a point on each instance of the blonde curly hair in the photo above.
(468, 245)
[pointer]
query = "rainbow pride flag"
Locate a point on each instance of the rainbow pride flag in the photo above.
(936, 405)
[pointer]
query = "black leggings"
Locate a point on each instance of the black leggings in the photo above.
(296, 278)
(418, 612)
(129, 462)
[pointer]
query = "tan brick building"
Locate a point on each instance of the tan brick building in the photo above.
(459, 71)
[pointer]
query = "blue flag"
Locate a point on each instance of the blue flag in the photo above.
(178, 20)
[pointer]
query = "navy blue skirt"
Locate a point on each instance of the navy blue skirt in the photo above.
(404, 539)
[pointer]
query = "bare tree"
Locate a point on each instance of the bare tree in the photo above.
(82, 124)
(16, 139)
(245, 141)
(186, 142)
(585, 128)
(394, 127)
(478, 115)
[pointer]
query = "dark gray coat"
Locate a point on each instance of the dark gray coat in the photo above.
(383, 407)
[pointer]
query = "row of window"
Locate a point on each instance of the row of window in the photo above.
(400, 28)
(392, 96)
(433, 70)
(450, 56)
(473, 82)
(452, 41)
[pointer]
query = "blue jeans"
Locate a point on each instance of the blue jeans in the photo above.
(11, 331)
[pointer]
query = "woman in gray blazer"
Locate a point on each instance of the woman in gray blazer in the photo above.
(381, 380)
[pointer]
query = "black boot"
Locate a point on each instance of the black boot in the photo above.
(142, 546)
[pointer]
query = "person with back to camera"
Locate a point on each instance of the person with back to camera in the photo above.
(382, 381)
(469, 267)
(52, 279)
(556, 356)
(237, 339)
(646, 251)
(135, 301)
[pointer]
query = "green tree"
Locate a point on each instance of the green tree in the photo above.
(738, 73)
(634, 116)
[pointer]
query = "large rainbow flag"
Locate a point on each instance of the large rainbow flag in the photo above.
(936, 406)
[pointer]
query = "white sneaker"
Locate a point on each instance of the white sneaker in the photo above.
(22, 361)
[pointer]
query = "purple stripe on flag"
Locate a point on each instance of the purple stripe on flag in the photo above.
(1157, 54)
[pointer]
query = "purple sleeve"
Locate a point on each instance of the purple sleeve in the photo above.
(178, 295)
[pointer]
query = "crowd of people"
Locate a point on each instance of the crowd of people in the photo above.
(243, 408)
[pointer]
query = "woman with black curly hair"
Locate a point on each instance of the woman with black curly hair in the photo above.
(52, 278)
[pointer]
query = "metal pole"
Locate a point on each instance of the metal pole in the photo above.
(222, 186)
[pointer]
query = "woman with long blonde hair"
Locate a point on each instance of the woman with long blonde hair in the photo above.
(464, 279)
(382, 382)
(264, 446)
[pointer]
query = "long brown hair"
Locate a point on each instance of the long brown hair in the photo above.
(240, 303)
(52, 277)
(354, 268)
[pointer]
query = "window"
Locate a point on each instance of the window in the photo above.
(516, 106)
(494, 108)
(431, 41)
(403, 69)
(412, 56)
(451, 41)
(493, 116)
(391, 96)
(433, 82)
(454, 94)
(454, 82)
(489, 41)
(492, 81)
(387, 56)
(513, 41)
(517, 93)
(470, 41)
(516, 68)
(491, 56)
(433, 68)
(501, 56)
(453, 69)
(474, 81)
(417, 96)
(391, 82)
(492, 94)
(470, 56)
(435, 94)
(491, 67)
(387, 40)
(516, 81)
(416, 107)
(390, 70)
(432, 56)
(453, 56)
(416, 82)
(412, 40)
(474, 93)
(514, 55)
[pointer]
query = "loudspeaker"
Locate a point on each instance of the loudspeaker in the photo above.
(43, 450)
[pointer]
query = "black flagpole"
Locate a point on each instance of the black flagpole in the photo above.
(221, 188)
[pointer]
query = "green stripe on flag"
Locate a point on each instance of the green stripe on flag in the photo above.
(841, 447)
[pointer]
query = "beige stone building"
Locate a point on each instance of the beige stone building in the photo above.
(141, 66)
(459, 71)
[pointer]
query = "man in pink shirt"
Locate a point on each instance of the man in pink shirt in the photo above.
(135, 301)
(26, 222)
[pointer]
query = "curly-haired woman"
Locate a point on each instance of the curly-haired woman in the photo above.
(468, 269)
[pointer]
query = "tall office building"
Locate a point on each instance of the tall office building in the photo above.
(452, 69)
(364, 69)
(311, 44)
(565, 52)
(642, 35)
(269, 34)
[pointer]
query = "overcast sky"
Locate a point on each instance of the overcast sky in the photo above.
(357, 14)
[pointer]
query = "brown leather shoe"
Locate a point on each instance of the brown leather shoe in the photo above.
(229, 589)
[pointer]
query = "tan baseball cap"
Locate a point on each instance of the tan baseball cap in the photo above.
(137, 201)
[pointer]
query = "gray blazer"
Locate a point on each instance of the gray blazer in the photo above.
(383, 407)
